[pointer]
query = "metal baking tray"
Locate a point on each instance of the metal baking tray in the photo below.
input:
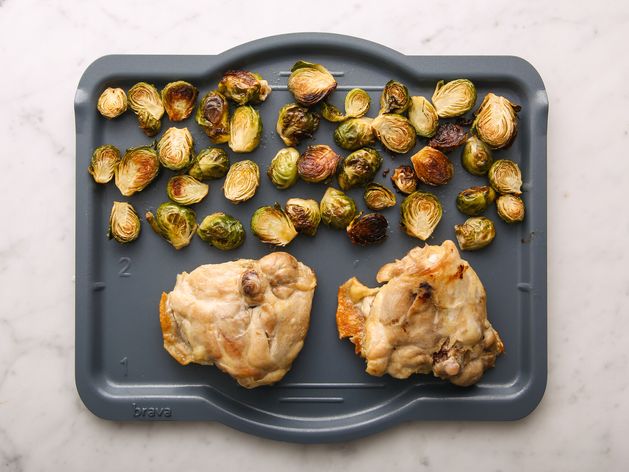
(122, 370)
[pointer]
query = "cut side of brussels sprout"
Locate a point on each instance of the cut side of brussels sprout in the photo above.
(174, 148)
(331, 113)
(432, 166)
(137, 168)
(213, 117)
(296, 123)
(355, 133)
(357, 103)
(395, 132)
(210, 163)
(105, 160)
(505, 177)
(337, 209)
(378, 197)
(510, 208)
(283, 168)
(420, 214)
(496, 121)
(475, 200)
(476, 233)
(186, 190)
(367, 230)
(272, 226)
(179, 99)
(310, 83)
(423, 117)
(317, 163)
(245, 129)
(454, 98)
(222, 231)
(112, 102)
(242, 181)
(394, 98)
(175, 223)
(359, 168)
(404, 179)
(124, 223)
(448, 137)
(243, 87)
(304, 214)
(476, 157)
(146, 103)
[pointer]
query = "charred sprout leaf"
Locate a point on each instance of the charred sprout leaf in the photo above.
(510, 208)
(245, 129)
(105, 160)
(317, 163)
(395, 132)
(186, 190)
(355, 133)
(174, 148)
(378, 197)
(359, 168)
(496, 121)
(222, 231)
(475, 200)
(448, 137)
(146, 103)
(454, 98)
(369, 229)
(138, 167)
(210, 163)
(124, 223)
(420, 213)
(271, 225)
(304, 214)
(175, 223)
(476, 233)
(394, 98)
(404, 179)
(179, 99)
(310, 83)
(283, 168)
(244, 87)
(505, 177)
(213, 116)
(242, 181)
(112, 102)
(331, 113)
(357, 103)
(423, 117)
(337, 209)
(295, 123)
(476, 157)
(432, 166)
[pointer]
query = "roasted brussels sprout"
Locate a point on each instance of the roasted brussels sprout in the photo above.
(244, 87)
(476, 157)
(476, 233)
(423, 117)
(105, 160)
(186, 190)
(404, 179)
(355, 133)
(357, 103)
(242, 181)
(213, 116)
(295, 123)
(394, 98)
(304, 214)
(210, 163)
(112, 102)
(475, 200)
(179, 99)
(359, 168)
(510, 208)
(378, 197)
(317, 163)
(395, 132)
(283, 168)
(496, 121)
(369, 229)
(124, 223)
(222, 231)
(310, 83)
(432, 166)
(173, 222)
(331, 113)
(174, 148)
(420, 214)
(505, 177)
(271, 225)
(146, 103)
(337, 209)
(245, 129)
(138, 167)
(454, 98)
(448, 137)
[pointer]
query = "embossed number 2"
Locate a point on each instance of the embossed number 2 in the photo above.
(126, 264)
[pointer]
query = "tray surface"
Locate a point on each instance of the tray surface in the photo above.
(122, 370)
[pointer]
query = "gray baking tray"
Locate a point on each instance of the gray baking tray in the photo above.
(122, 371)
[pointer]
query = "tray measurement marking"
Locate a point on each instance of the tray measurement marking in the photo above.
(126, 264)
(124, 362)
(328, 385)
(311, 399)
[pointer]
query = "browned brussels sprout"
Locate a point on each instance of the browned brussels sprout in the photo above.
(475, 200)
(378, 197)
(112, 102)
(105, 160)
(283, 168)
(404, 179)
(310, 83)
(420, 214)
(394, 98)
(174, 148)
(355, 133)
(138, 168)
(448, 137)
(367, 230)
(245, 129)
(476, 157)
(454, 98)
(186, 190)
(395, 132)
(179, 99)
(496, 121)
(222, 231)
(510, 208)
(476, 233)
(432, 166)
(242, 181)
(317, 163)
(271, 225)
(359, 168)
(505, 177)
(175, 223)
(243, 87)
(210, 163)
(304, 214)
(423, 117)
(337, 209)
(213, 116)
(124, 223)
(146, 103)
(296, 123)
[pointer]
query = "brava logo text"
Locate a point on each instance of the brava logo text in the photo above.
(151, 412)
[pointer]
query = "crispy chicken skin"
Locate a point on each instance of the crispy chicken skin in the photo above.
(429, 316)
(247, 317)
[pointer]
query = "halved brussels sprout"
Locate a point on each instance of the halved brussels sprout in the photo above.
(369, 229)
(404, 179)
(423, 117)
(476, 157)
(245, 129)
(475, 200)
(174, 148)
(112, 102)
(357, 103)
(331, 113)
(138, 167)
(420, 214)
(510, 208)
(304, 214)
(505, 177)
(476, 233)
(175, 223)
(496, 121)
(454, 98)
(355, 133)
(295, 123)
(394, 98)
(186, 190)
(359, 168)
(271, 225)
(222, 231)
(210, 163)
(244, 87)
(317, 163)
(105, 160)
(378, 197)
(179, 99)
(337, 209)
(124, 223)
(146, 103)
(395, 132)
(242, 181)
(213, 116)
(432, 166)
(448, 137)
(283, 168)
(310, 83)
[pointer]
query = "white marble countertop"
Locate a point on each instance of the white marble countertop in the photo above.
(583, 420)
